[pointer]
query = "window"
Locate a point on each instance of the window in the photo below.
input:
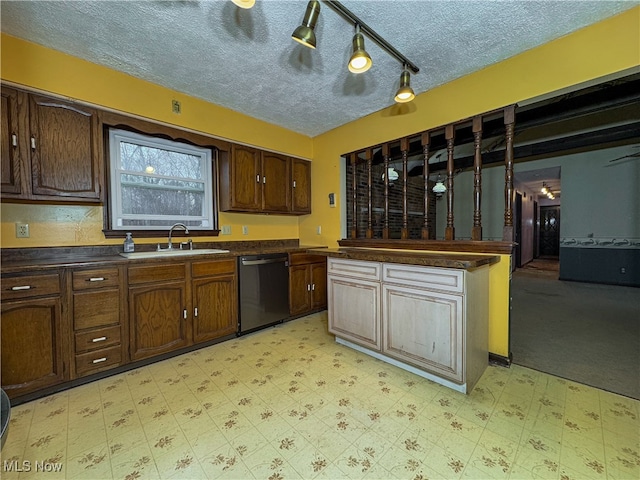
(156, 183)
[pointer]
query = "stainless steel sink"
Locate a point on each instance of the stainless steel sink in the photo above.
(173, 253)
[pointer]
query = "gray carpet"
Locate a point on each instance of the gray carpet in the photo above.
(589, 333)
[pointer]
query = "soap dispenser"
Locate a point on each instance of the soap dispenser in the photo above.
(128, 244)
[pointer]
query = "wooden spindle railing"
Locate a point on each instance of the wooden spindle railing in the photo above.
(449, 134)
(426, 137)
(509, 122)
(404, 147)
(385, 156)
(369, 158)
(476, 231)
(354, 195)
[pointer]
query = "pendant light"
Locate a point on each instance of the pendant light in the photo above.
(360, 60)
(439, 188)
(304, 34)
(405, 92)
(244, 3)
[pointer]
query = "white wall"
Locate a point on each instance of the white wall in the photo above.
(598, 197)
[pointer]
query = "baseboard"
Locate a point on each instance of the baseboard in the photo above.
(499, 360)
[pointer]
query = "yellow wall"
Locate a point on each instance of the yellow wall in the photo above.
(605, 48)
(601, 49)
(37, 67)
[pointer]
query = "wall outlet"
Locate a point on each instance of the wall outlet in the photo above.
(226, 229)
(245, 230)
(22, 230)
(176, 107)
(319, 230)
(622, 269)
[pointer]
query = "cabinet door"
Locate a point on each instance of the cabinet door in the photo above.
(245, 179)
(299, 289)
(32, 350)
(13, 146)
(64, 150)
(354, 310)
(214, 308)
(300, 186)
(425, 329)
(318, 285)
(275, 182)
(157, 319)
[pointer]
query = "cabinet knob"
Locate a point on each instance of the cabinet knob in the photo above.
(100, 360)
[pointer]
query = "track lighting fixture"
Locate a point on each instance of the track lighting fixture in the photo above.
(304, 34)
(244, 3)
(547, 191)
(360, 60)
(405, 92)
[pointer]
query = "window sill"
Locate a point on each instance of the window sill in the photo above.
(160, 233)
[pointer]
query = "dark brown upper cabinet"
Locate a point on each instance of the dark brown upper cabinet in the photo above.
(50, 149)
(255, 181)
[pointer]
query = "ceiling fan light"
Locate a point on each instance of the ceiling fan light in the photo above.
(244, 3)
(360, 60)
(305, 34)
(405, 92)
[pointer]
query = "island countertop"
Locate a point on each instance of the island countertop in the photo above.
(410, 257)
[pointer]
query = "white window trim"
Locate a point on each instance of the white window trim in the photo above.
(115, 194)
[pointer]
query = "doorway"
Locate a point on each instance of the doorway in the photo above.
(549, 244)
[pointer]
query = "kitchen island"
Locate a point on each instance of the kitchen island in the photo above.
(424, 312)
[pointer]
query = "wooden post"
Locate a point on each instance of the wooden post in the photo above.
(449, 134)
(385, 156)
(354, 196)
(509, 122)
(426, 138)
(369, 158)
(476, 231)
(404, 146)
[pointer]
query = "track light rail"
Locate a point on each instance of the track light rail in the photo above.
(345, 12)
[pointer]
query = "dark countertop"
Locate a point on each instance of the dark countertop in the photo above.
(413, 257)
(48, 258)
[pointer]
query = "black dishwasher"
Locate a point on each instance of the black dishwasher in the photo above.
(264, 290)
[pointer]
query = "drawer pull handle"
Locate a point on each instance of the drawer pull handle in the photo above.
(99, 339)
(22, 287)
(96, 279)
(294, 184)
(100, 360)
(33, 143)
(14, 140)
(258, 178)
(313, 287)
(195, 312)
(308, 288)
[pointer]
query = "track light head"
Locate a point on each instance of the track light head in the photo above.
(244, 3)
(304, 34)
(405, 92)
(360, 60)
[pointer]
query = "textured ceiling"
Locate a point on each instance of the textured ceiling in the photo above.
(245, 60)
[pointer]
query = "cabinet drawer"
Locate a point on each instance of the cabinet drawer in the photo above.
(30, 286)
(98, 360)
(213, 267)
(156, 272)
(305, 258)
(444, 279)
(97, 338)
(104, 277)
(354, 268)
(96, 308)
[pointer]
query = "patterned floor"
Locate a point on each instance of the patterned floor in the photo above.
(288, 403)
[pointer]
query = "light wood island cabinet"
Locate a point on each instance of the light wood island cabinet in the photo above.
(431, 321)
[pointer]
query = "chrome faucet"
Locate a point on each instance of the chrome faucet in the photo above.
(177, 225)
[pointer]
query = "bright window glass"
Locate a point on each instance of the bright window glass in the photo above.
(156, 183)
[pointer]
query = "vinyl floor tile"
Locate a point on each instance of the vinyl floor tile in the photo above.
(288, 402)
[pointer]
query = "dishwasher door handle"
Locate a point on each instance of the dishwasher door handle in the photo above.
(264, 261)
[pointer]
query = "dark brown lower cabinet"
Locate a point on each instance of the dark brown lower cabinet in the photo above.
(33, 334)
(307, 283)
